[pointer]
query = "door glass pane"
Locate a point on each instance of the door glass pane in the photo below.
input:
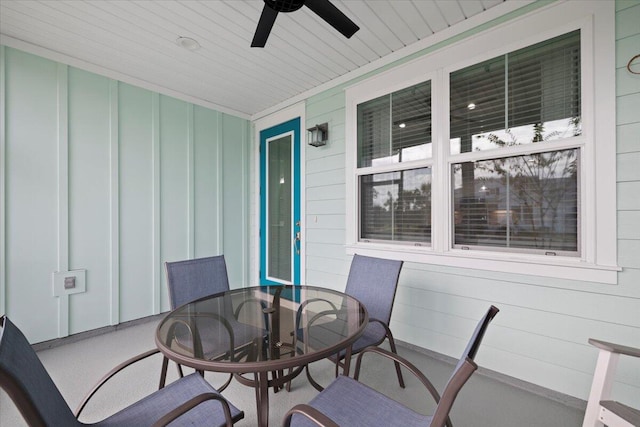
(279, 193)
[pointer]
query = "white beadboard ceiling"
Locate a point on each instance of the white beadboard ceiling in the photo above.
(135, 41)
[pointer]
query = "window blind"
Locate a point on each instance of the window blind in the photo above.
(396, 206)
(526, 202)
(395, 127)
(529, 95)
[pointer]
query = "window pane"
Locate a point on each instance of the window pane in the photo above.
(396, 206)
(530, 95)
(477, 103)
(528, 202)
(396, 127)
(279, 209)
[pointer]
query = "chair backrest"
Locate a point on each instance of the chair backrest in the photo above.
(465, 367)
(193, 279)
(474, 343)
(373, 281)
(27, 382)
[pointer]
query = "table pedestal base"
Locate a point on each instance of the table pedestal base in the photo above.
(262, 384)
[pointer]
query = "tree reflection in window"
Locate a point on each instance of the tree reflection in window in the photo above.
(528, 202)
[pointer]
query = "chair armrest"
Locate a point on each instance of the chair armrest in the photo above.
(385, 325)
(311, 413)
(615, 348)
(317, 316)
(260, 302)
(322, 314)
(307, 302)
(623, 411)
(336, 312)
(408, 365)
(197, 343)
(401, 360)
(192, 403)
(110, 374)
(603, 378)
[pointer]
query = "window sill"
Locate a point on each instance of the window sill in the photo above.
(555, 267)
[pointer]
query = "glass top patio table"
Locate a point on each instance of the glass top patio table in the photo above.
(250, 332)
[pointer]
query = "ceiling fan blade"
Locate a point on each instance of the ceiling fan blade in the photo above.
(265, 24)
(338, 20)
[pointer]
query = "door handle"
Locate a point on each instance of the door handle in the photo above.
(296, 242)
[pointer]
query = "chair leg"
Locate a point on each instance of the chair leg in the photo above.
(163, 373)
(289, 384)
(600, 387)
(275, 375)
(225, 385)
(312, 381)
(392, 344)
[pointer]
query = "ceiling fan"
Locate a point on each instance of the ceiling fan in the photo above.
(323, 8)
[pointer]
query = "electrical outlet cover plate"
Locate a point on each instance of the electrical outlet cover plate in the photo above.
(58, 282)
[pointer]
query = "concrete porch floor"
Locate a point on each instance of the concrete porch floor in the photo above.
(77, 364)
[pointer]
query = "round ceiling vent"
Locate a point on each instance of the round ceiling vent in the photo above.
(188, 43)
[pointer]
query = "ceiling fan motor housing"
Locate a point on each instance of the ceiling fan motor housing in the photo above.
(323, 8)
(284, 5)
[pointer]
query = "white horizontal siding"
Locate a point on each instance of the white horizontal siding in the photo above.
(629, 137)
(628, 224)
(628, 199)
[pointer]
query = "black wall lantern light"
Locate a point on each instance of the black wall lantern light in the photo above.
(318, 135)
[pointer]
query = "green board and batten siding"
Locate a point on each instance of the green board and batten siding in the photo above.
(114, 179)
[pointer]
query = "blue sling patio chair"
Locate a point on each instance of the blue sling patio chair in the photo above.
(373, 282)
(349, 402)
(188, 401)
(193, 279)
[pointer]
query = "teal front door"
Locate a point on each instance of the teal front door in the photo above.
(280, 227)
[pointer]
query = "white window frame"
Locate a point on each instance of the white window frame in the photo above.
(597, 186)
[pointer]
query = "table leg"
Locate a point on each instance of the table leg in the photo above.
(275, 343)
(262, 398)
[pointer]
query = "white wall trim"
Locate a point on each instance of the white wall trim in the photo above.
(114, 204)
(604, 102)
(3, 183)
(157, 208)
(246, 204)
(63, 191)
(598, 259)
(281, 116)
(191, 180)
(219, 185)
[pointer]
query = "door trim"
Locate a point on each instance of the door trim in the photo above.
(289, 113)
(276, 133)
